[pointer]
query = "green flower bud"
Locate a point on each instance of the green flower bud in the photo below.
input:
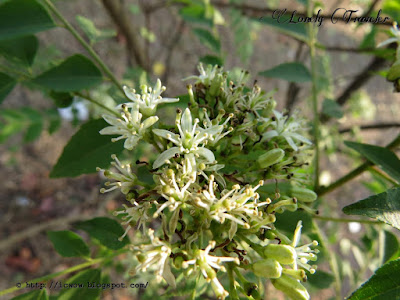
(270, 158)
(291, 287)
(303, 194)
(284, 254)
(268, 268)
(178, 262)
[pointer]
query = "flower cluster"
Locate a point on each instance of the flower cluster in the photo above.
(213, 199)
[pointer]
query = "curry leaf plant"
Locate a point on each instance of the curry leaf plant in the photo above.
(205, 212)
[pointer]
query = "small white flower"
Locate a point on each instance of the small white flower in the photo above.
(207, 263)
(188, 140)
(137, 213)
(129, 126)
(256, 100)
(149, 99)
(396, 39)
(125, 179)
(214, 128)
(286, 128)
(156, 256)
(206, 76)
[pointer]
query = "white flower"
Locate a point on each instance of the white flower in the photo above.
(304, 253)
(396, 32)
(156, 256)
(285, 128)
(149, 99)
(129, 126)
(206, 76)
(207, 263)
(216, 128)
(137, 213)
(256, 100)
(125, 180)
(188, 140)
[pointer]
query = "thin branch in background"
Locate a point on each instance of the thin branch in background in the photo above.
(371, 8)
(371, 126)
(347, 49)
(170, 49)
(147, 24)
(354, 173)
(120, 17)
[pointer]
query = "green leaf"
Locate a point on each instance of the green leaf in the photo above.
(54, 121)
(384, 207)
(292, 72)
(195, 14)
(321, 279)
(382, 157)
(78, 286)
(68, 244)
(392, 9)
(75, 73)
(207, 39)
(23, 17)
(391, 246)
(61, 99)
(34, 295)
(211, 60)
(384, 284)
(332, 109)
(22, 50)
(107, 231)
(297, 31)
(86, 150)
(7, 83)
(394, 72)
(369, 39)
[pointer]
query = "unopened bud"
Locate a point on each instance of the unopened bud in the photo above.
(291, 287)
(303, 194)
(284, 254)
(268, 268)
(270, 158)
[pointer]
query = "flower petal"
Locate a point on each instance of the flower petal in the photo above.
(186, 121)
(111, 130)
(163, 133)
(131, 142)
(167, 154)
(130, 93)
(149, 122)
(206, 153)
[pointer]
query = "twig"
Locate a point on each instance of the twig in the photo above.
(371, 126)
(345, 220)
(88, 48)
(121, 19)
(354, 173)
(293, 88)
(90, 99)
(170, 50)
(32, 231)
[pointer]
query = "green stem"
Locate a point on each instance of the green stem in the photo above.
(66, 271)
(232, 289)
(311, 43)
(88, 48)
(90, 99)
(381, 174)
(345, 220)
(357, 171)
(255, 247)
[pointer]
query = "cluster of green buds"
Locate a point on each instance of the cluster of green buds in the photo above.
(211, 206)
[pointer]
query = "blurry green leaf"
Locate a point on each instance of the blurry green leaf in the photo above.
(332, 109)
(297, 30)
(35, 124)
(382, 157)
(54, 121)
(79, 288)
(321, 279)
(34, 295)
(86, 150)
(287, 222)
(7, 83)
(384, 207)
(68, 244)
(61, 99)
(392, 8)
(147, 34)
(394, 72)
(22, 49)
(107, 231)
(207, 39)
(391, 246)
(94, 34)
(211, 60)
(242, 28)
(292, 72)
(75, 73)
(134, 9)
(195, 13)
(23, 17)
(384, 284)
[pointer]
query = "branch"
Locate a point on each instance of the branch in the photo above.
(357, 171)
(170, 49)
(121, 19)
(293, 88)
(371, 126)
